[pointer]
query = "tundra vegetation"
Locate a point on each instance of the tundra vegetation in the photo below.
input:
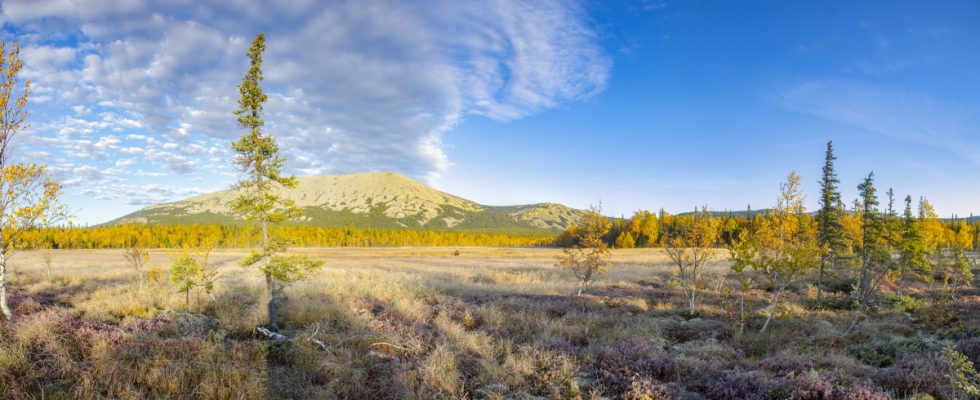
(846, 303)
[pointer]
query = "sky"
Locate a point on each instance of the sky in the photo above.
(627, 104)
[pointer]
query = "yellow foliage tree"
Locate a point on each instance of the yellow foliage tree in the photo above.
(588, 258)
(784, 246)
(690, 245)
(28, 195)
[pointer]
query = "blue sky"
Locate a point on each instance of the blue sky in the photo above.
(671, 104)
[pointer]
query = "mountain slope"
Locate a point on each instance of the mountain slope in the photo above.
(370, 200)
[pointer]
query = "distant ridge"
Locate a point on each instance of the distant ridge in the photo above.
(384, 200)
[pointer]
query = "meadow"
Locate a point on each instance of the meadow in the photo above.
(486, 323)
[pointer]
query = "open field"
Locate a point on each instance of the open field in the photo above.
(488, 323)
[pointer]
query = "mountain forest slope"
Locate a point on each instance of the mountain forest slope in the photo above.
(382, 200)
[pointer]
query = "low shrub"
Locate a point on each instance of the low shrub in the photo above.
(970, 347)
(809, 386)
(842, 284)
(835, 303)
(740, 385)
(905, 302)
(786, 364)
(645, 389)
(884, 353)
(946, 374)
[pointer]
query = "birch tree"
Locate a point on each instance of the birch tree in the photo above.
(28, 194)
(691, 245)
(589, 257)
(783, 247)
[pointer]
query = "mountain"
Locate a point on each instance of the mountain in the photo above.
(371, 200)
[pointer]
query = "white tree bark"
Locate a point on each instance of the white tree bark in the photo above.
(4, 307)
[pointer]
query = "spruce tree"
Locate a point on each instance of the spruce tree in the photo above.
(871, 235)
(913, 247)
(830, 228)
(259, 200)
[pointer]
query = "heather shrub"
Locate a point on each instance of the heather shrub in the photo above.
(970, 347)
(786, 364)
(859, 392)
(740, 385)
(884, 353)
(645, 389)
(946, 374)
(696, 329)
(808, 386)
(623, 356)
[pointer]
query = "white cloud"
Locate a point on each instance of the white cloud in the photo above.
(363, 85)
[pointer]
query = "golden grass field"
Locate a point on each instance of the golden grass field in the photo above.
(492, 323)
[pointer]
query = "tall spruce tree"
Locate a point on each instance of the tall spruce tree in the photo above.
(259, 200)
(912, 247)
(871, 236)
(830, 229)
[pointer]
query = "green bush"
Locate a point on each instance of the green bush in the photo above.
(884, 353)
(832, 303)
(839, 285)
(905, 302)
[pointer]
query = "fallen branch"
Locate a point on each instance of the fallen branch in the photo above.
(272, 335)
(389, 344)
(282, 338)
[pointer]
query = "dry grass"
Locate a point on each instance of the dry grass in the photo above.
(421, 323)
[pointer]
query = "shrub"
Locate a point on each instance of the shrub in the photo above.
(837, 303)
(946, 374)
(859, 392)
(645, 389)
(623, 356)
(737, 385)
(842, 284)
(883, 353)
(905, 302)
(783, 365)
(970, 347)
(809, 386)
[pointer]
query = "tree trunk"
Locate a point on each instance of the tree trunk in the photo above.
(863, 282)
(273, 312)
(741, 315)
(823, 261)
(772, 311)
(4, 307)
(691, 301)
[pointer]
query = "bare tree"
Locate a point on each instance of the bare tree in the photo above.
(47, 257)
(137, 256)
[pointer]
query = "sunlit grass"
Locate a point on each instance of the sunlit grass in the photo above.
(425, 323)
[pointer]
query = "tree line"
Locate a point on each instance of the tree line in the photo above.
(236, 236)
(869, 243)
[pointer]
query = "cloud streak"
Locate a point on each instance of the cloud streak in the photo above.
(896, 113)
(362, 85)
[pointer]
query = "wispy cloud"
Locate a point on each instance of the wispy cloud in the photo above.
(891, 112)
(353, 85)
